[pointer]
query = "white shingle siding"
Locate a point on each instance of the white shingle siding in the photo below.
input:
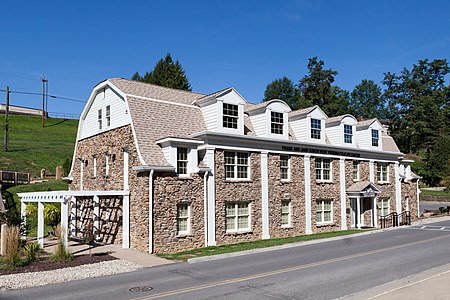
(119, 114)
(299, 128)
(210, 117)
(259, 123)
(334, 134)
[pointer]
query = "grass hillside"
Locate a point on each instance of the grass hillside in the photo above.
(33, 147)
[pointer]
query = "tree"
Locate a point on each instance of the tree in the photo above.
(283, 89)
(437, 161)
(339, 102)
(166, 73)
(316, 87)
(367, 100)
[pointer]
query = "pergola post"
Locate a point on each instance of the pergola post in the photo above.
(358, 212)
(64, 220)
(23, 215)
(40, 231)
(96, 229)
(73, 217)
(375, 217)
(126, 222)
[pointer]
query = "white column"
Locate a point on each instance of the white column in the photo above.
(205, 207)
(150, 211)
(126, 222)
(96, 217)
(343, 195)
(64, 220)
(265, 196)
(372, 171)
(358, 212)
(307, 160)
(125, 169)
(398, 192)
(81, 174)
(73, 216)
(211, 198)
(40, 231)
(375, 213)
(23, 214)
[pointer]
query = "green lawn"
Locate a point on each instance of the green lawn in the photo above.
(435, 193)
(33, 147)
(185, 255)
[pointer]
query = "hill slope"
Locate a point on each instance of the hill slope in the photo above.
(33, 147)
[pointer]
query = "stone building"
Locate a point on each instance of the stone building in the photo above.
(163, 170)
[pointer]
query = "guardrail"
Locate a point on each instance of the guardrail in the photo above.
(394, 219)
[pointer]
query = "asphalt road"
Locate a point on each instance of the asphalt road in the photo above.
(325, 270)
(430, 205)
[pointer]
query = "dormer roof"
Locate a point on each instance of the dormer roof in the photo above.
(366, 123)
(254, 108)
(333, 121)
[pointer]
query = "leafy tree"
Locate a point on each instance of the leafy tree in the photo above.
(316, 87)
(166, 73)
(437, 161)
(339, 102)
(368, 101)
(283, 89)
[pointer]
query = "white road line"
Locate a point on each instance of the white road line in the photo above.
(443, 228)
(423, 227)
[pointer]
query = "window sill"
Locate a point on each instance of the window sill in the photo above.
(285, 180)
(238, 180)
(383, 182)
(324, 181)
(356, 180)
(185, 177)
(183, 235)
(238, 232)
(287, 226)
(325, 224)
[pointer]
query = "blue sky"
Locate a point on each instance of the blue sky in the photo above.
(244, 44)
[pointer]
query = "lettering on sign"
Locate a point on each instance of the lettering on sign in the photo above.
(319, 151)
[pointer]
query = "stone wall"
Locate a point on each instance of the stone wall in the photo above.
(235, 191)
(387, 189)
(292, 190)
(409, 189)
(169, 191)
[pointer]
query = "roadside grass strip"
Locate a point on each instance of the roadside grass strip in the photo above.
(214, 250)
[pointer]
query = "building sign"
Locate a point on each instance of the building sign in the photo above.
(319, 151)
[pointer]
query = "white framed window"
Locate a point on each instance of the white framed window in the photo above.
(237, 216)
(236, 165)
(407, 203)
(94, 164)
(324, 209)
(183, 218)
(316, 128)
(348, 134)
(285, 172)
(383, 207)
(276, 122)
(375, 138)
(323, 169)
(230, 116)
(108, 116)
(285, 213)
(99, 119)
(382, 172)
(182, 161)
(355, 170)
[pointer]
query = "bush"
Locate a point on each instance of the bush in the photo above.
(61, 252)
(32, 210)
(12, 258)
(32, 251)
(52, 213)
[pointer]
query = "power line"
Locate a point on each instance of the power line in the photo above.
(51, 96)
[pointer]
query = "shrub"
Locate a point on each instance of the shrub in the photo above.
(32, 251)
(52, 213)
(61, 252)
(12, 258)
(32, 210)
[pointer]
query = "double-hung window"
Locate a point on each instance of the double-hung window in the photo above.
(284, 167)
(276, 124)
(237, 216)
(236, 165)
(285, 213)
(348, 134)
(182, 161)
(324, 211)
(383, 207)
(183, 219)
(230, 116)
(316, 127)
(382, 172)
(355, 170)
(323, 169)
(99, 119)
(375, 138)
(108, 116)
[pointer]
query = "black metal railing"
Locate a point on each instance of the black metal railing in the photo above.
(394, 219)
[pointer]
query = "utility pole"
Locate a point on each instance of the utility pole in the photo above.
(43, 99)
(7, 118)
(46, 98)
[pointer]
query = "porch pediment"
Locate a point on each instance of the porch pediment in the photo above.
(363, 189)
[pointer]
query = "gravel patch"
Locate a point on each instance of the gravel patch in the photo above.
(33, 279)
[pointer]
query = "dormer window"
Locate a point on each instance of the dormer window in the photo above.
(230, 116)
(375, 138)
(348, 134)
(99, 119)
(276, 125)
(182, 161)
(316, 127)
(108, 116)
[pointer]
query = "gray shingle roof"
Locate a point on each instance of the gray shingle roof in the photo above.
(301, 112)
(361, 186)
(388, 143)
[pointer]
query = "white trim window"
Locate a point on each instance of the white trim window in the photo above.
(355, 170)
(230, 116)
(183, 218)
(285, 213)
(108, 116)
(237, 216)
(383, 207)
(382, 172)
(324, 211)
(323, 169)
(276, 122)
(285, 172)
(348, 134)
(182, 161)
(99, 119)
(236, 165)
(375, 137)
(316, 128)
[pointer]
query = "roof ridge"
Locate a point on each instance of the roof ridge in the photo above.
(156, 85)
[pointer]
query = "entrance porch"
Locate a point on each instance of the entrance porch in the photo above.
(363, 204)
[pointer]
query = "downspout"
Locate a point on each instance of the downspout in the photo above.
(150, 212)
(205, 203)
